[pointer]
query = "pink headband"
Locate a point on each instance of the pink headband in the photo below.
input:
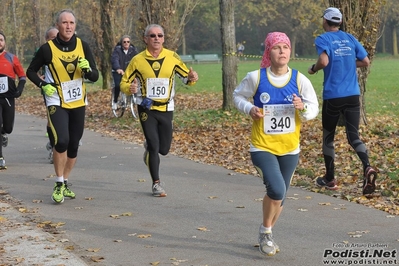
(272, 39)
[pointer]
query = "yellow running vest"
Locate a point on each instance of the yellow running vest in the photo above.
(67, 76)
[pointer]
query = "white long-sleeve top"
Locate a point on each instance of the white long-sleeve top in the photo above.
(242, 95)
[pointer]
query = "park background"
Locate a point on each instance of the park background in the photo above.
(196, 24)
(204, 131)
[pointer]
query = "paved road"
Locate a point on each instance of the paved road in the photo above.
(210, 216)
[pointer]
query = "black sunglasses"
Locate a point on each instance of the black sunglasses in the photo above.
(126, 41)
(154, 35)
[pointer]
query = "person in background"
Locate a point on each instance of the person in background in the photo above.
(151, 76)
(262, 48)
(281, 98)
(240, 49)
(340, 53)
(50, 34)
(120, 58)
(9, 90)
(69, 61)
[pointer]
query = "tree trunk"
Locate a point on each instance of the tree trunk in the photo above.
(384, 50)
(394, 41)
(183, 44)
(36, 21)
(106, 45)
(229, 63)
(293, 46)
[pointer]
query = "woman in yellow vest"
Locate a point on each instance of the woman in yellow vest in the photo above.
(281, 98)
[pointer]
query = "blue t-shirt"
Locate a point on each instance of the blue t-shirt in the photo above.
(340, 77)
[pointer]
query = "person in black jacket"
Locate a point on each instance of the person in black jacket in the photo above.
(120, 58)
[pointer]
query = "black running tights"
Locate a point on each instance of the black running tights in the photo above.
(349, 107)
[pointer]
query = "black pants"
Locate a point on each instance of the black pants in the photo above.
(67, 126)
(117, 81)
(7, 117)
(349, 107)
(158, 130)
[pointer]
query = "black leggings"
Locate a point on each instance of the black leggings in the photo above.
(67, 126)
(7, 117)
(350, 108)
(158, 130)
(117, 81)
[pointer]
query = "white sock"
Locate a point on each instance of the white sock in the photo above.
(263, 229)
(59, 179)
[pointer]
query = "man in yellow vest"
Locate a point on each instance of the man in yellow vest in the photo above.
(69, 61)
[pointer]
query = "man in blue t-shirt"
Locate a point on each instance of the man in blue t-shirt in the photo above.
(340, 53)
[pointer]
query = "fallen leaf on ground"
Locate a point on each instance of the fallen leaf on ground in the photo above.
(97, 258)
(93, 249)
(144, 236)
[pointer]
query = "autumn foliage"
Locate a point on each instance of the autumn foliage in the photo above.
(206, 134)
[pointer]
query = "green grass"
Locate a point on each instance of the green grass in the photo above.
(381, 88)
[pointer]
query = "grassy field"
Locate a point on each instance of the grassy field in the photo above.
(381, 89)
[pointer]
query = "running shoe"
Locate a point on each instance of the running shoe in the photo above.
(2, 163)
(323, 182)
(48, 146)
(145, 153)
(370, 175)
(114, 106)
(5, 139)
(58, 192)
(50, 152)
(266, 244)
(157, 190)
(67, 191)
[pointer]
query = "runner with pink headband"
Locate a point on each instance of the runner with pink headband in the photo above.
(271, 40)
(278, 99)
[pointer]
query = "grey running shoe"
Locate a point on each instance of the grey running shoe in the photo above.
(50, 152)
(370, 175)
(48, 146)
(2, 163)
(5, 139)
(157, 190)
(266, 244)
(323, 182)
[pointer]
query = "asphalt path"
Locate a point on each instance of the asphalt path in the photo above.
(210, 217)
